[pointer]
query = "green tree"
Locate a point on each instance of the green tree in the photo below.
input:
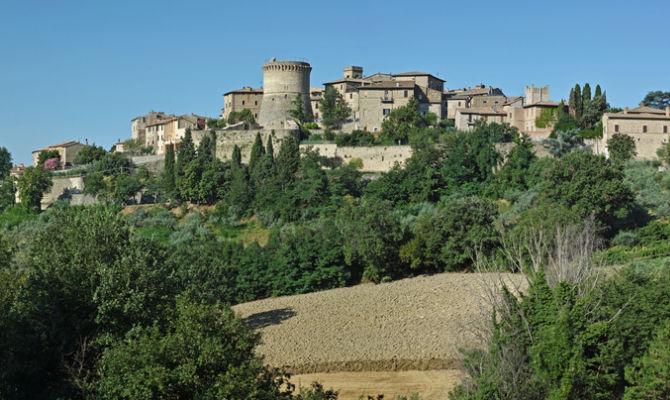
(168, 174)
(572, 103)
(586, 93)
(657, 99)
(593, 111)
(88, 154)
(288, 160)
(205, 352)
(372, 235)
(5, 162)
(448, 239)
(650, 374)
(207, 147)
(334, 110)
(621, 147)
(7, 193)
(46, 155)
(32, 185)
(400, 122)
(588, 184)
(598, 91)
(564, 142)
(579, 104)
(236, 157)
(298, 110)
(185, 153)
(513, 175)
(257, 152)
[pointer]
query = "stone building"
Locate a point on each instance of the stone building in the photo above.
(139, 124)
(648, 126)
(478, 97)
(162, 133)
(283, 81)
(245, 98)
(376, 100)
(467, 117)
(67, 151)
(315, 96)
(520, 112)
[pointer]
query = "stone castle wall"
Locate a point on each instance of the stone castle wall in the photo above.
(374, 158)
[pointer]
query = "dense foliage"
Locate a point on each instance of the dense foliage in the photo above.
(99, 304)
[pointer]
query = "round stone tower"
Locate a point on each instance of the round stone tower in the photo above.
(282, 82)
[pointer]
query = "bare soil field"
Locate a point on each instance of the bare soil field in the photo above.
(430, 384)
(416, 324)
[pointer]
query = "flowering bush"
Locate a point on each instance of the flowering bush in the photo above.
(52, 164)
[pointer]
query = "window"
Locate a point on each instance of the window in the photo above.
(242, 102)
(665, 129)
(616, 128)
(644, 128)
(256, 102)
(459, 103)
(351, 95)
(386, 111)
(405, 93)
(316, 105)
(484, 101)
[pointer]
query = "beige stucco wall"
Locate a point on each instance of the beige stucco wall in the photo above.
(60, 185)
(487, 101)
(464, 120)
(646, 144)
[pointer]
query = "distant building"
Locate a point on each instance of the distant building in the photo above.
(245, 98)
(315, 96)
(162, 133)
(478, 97)
(520, 112)
(139, 124)
(648, 126)
(67, 151)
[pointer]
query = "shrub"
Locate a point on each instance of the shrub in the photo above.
(627, 239)
(52, 164)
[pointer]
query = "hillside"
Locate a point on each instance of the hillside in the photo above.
(416, 324)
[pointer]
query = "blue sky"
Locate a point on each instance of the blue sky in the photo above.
(75, 70)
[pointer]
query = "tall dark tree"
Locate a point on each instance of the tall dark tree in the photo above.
(169, 171)
(288, 160)
(598, 91)
(236, 157)
(657, 99)
(579, 105)
(269, 150)
(586, 93)
(5, 162)
(185, 153)
(257, 152)
(572, 103)
(207, 147)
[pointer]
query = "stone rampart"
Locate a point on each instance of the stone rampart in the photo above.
(374, 158)
(63, 187)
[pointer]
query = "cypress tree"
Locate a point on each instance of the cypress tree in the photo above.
(257, 152)
(288, 160)
(237, 157)
(579, 107)
(598, 91)
(185, 153)
(572, 103)
(269, 150)
(169, 172)
(206, 149)
(586, 93)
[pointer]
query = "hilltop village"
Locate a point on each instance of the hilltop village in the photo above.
(384, 233)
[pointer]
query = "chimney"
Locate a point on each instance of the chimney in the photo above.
(667, 111)
(642, 104)
(532, 85)
(625, 110)
(86, 142)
